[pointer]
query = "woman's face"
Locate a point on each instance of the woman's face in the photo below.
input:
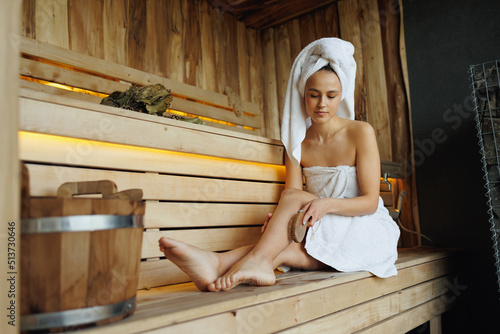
(322, 96)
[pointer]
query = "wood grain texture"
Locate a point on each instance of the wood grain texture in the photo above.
(10, 173)
(44, 181)
(270, 86)
(283, 65)
(51, 22)
(115, 37)
(112, 127)
(373, 66)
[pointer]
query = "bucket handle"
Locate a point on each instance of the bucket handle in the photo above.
(69, 189)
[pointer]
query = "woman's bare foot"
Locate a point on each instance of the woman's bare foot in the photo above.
(200, 265)
(248, 270)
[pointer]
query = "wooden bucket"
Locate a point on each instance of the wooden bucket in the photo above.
(80, 257)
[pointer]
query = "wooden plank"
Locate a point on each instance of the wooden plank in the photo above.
(293, 301)
(127, 127)
(283, 64)
(68, 151)
(207, 46)
(366, 314)
(270, 86)
(215, 239)
(435, 325)
(28, 18)
(243, 61)
(37, 87)
(121, 72)
(171, 215)
(307, 31)
(34, 69)
(231, 64)
(256, 73)
(332, 21)
(220, 46)
(115, 41)
(214, 113)
(85, 25)
(193, 65)
(373, 63)
(52, 22)
(160, 273)
(44, 181)
(410, 319)
(350, 30)
(10, 27)
(136, 34)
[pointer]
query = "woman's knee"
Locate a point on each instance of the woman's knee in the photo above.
(296, 195)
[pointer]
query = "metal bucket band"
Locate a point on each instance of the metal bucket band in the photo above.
(77, 317)
(83, 223)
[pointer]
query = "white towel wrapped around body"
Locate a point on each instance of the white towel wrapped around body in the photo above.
(345, 243)
(339, 55)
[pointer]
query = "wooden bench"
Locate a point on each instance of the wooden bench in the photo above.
(211, 186)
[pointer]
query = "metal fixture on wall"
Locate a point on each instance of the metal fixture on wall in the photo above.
(485, 86)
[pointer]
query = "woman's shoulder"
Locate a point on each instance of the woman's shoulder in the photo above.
(358, 127)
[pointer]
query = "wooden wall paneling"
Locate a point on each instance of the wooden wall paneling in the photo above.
(350, 31)
(376, 89)
(115, 36)
(243, 60)
(270, 85)
(85, 22)
(174, 49)
(232, 81)
(153, 37)
(137, 34)
(193, 66)
(283, 64)
(307, 30)
(319, 23)
(10, 27)
(220, 45)
(28, 15)
(256, 73)
(332, 24)
(293, 28)
(51, 22)
(210, 72)
(398, 106)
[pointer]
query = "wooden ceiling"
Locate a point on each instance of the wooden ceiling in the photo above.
(262, 14)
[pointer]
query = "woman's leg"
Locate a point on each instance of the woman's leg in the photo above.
(258, 265)
(202, 266)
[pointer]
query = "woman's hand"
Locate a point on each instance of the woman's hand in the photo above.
(314, 210)
(263, 228)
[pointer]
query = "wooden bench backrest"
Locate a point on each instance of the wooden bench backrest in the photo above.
(48, 63)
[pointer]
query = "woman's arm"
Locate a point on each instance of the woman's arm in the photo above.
(368, 170)
(293, 174)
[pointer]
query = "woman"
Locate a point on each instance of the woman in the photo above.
(349, 228)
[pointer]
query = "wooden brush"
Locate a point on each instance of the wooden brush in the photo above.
(297, 230)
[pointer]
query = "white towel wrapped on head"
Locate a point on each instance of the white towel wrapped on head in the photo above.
(339, 55)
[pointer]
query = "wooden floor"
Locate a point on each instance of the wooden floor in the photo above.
(307, 302)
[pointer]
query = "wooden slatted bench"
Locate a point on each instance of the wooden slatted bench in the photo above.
(211, 186)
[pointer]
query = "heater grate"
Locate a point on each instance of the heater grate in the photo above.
(486, 94)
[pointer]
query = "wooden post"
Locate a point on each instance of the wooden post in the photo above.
(10, 18)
